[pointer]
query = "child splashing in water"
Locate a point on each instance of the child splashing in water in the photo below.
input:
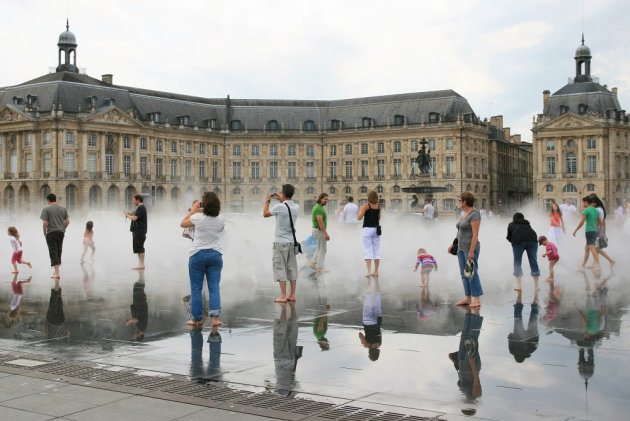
(87, 240)
(428, 263)
(16, 245)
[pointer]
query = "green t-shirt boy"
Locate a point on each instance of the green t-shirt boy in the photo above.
(318, 209)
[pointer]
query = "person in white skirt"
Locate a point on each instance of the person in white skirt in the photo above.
(556, 224)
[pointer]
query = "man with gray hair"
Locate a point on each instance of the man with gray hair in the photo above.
(284, 261)
(55, 221)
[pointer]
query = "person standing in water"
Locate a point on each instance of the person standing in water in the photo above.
(138, 228)
(16, 245)
(55, 221)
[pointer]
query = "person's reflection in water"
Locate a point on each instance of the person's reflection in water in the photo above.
(466, 360)
(285, 350)
(88, 281)
(427, 308)
(13, 315)
(213, 371)
(139, 308)
(320, 327)
(372, 320)
(55, 325)
(556, 289)
(523, 342)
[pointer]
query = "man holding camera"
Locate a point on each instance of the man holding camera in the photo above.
(138, 229)
(284, 261)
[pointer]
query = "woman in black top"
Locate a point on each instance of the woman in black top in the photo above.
(371, 240)
(523, 238)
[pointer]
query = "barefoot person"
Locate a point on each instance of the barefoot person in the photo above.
(551, 253)
(138, 229)
(468, 249)
(590, 215)
(284, 261)
(16, 246)
(206, 257)
(371, 238)
(320, 234)
(55, 221)
(523, 238)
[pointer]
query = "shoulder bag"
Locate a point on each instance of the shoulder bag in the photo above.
(297, 247)
(378, 222)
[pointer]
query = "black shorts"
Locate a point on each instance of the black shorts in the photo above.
(591, 237)
(138, 241)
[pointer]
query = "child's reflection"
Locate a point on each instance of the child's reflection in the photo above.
(372, 320)
(13, 315)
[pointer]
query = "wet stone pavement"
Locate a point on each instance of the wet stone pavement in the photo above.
(535, 356)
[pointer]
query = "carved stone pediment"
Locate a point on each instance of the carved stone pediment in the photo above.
(9, 114)
(113, 116)
(568, 121)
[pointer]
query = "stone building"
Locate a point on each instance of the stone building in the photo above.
(96, 144)
(581, 141)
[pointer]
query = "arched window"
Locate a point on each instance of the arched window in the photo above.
(9, 198)
(235, 125)
(564, 109)
(476, 188)
(45, 191)
(366, 122)
(93, 197)
(618, 189)
(332, 190)
(569, 188)
(379, 189)
(217, 191)
(396, 189)
(549, 188)
(310, 190)
(485, 189)
(159, 197)
(112, 197)
(571, 163)
(272, 125)
(590, 187)
(129, 193)
(71, 197)
(468, 187)
(309, 126)
(399, 120)
(175, 197)
(347, 190)
(109, 162)
(236, 191)
(434, 117)
(13, 161)
(449, 187)
(335, 124)
(364, 189)
(256, 191)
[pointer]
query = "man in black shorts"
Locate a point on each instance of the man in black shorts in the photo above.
(138, 229)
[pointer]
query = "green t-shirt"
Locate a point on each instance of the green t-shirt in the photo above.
(591, 218)
(319, 210)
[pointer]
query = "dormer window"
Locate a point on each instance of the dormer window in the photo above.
(17, 100)
(335, 124)
(157, 117)
(110, 102)
(235, 125)
(434, 117)
(309, 126)
(184, 120)
(272, 125)
(92, 100)
(212, 123)
(366, 122)
(399, 120)
(582, 109)
(564, 109)
(31, 99)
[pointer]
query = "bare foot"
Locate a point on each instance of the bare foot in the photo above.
(517, 289)
(30, 266)
(14, 271)
(138, 268)
(475, 304)
(55, 276)
(463, 302)
(194, 323)
(216, 322)
(282, 299)
(291, 298)
(613, 263)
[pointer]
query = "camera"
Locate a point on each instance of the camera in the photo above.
(273, 195)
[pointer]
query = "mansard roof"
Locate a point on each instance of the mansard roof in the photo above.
(595, 97)
(74, 90)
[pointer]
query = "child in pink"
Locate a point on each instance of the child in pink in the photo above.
(16, 245)
(428, 263)
(551, 253)
(87, 240)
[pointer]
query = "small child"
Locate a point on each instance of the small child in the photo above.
(428, 263)
(16, 245)
(551, 253)
(87, 240)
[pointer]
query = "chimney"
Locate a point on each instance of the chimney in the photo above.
(497, 120)
(109, 79)
(546, 94)
(614, 91)
(507, 133)
(516, 139)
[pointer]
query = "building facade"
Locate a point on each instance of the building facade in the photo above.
(581, 141)
(96, 144)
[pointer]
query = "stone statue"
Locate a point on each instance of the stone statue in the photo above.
(424, 158)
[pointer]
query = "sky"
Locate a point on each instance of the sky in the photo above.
(499, 54)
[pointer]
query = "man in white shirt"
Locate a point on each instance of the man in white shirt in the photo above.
(284, 260)
(568, 210)
(428, 209)
(350, 212)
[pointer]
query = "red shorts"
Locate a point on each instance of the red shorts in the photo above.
(17, 257)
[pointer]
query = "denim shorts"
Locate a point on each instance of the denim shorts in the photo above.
(591, 237)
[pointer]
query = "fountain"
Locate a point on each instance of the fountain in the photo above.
(425, 178)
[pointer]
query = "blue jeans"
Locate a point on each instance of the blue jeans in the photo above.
(206, 263)
(531, 247)
(472, 286)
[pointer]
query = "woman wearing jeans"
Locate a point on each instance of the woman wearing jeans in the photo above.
(468, 243)
(205, 257)
(523, 238)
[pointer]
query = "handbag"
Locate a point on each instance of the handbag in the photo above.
(454, 247)
(297, 247)
(379, 231)
(602, 242)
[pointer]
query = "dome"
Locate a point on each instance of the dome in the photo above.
(67, 37)
(583, 51)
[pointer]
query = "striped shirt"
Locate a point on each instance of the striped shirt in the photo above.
(427, 261)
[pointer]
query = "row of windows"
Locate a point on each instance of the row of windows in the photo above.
(571, 164)
(550, 145)
(310, 126)
(570, 188)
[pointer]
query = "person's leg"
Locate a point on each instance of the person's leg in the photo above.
(532, 249)
(367, 250)
(293, 285)
(196, 272)
(60, 236)
(517, 253)
(213, 275)
(586, 251)
(376, 247)
(606, 256)
(283, 292)
(93, 247)
(552, 263)
(320, 239)
(85, 247)
(461, 259)
(475, 283)
(13, 262)
(591, 247)
(322, 254)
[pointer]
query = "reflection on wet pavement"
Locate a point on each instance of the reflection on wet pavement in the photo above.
(559, 353)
